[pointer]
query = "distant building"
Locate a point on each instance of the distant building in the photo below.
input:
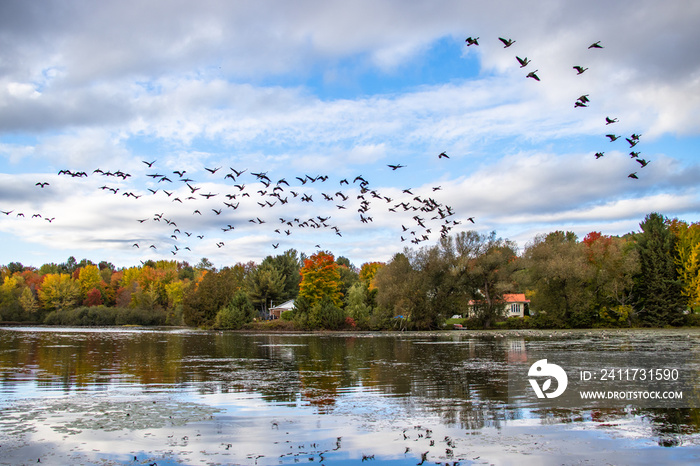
(513, 305)
(276, 312)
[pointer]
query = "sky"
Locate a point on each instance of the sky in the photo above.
(328, 92)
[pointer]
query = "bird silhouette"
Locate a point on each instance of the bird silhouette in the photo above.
(643, 162)
(579, 69)
(523, 61)
(443, 155)
(595, 45)
(532, 75)
(599, 154)
(612, 137)
(472, 41)
(506, 42)
(212, 170)
(150, 164)
(609, 121)
(633, 176)
(395, 167)
(42, 185)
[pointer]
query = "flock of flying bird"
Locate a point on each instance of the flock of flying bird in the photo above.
(258, 190)
(247, 188)
(582, 102)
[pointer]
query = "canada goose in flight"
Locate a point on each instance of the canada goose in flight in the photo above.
(634, 155)
(443, 155)
(523, 61)
(50, 219)
(209, 195)
(636, 137)
(643, 162)
(579, 69)
(41, 185)
(578, 103)
(599, 154)
(595, 45)
(532, 75)
(633, 142)
(472, 41)
(633, 176)
(276, 245)
(395, 167)
(506, 42)
(212, 170)
(180, 173)
(612, 137)
(150, 164)
(609, 121)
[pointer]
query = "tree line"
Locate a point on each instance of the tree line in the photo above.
(646, 278)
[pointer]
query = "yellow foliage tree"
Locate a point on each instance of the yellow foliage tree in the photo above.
(89, 277)
(368, 271)
(687, 258)
(59, 291)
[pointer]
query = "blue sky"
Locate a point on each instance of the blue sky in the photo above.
(340, 90)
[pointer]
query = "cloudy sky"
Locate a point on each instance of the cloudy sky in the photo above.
(338, 90)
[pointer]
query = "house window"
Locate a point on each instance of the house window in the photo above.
(515, 308)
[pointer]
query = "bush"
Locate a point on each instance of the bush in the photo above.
(287, 315)
(102, 316)
(693, 319)
(514, 323)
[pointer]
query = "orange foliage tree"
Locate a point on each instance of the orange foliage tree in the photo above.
(320, 279)
(368, 271)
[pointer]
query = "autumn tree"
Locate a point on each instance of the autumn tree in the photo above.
(89, 278)
(687, 258)
(59, 292)
(320, 279)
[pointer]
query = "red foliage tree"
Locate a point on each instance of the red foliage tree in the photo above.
(94, 298)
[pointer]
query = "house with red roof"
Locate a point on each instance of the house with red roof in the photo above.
(513, 305)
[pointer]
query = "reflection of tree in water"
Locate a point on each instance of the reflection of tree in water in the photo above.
(671, 425)
(460, 379)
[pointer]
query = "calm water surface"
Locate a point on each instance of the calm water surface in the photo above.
(144, 396)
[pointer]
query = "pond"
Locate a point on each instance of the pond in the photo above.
(173, 396)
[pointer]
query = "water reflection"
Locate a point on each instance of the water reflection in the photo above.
(330, 398)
